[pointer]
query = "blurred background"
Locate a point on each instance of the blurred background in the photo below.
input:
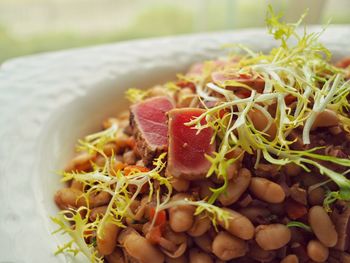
(33, 26)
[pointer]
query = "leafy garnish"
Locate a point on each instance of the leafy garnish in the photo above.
(94, 142)
(300, 225)
(287, 89)
(115, 183)
(80, 230)
(299, 69)
(135, 95)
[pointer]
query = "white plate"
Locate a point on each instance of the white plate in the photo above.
(50, 100)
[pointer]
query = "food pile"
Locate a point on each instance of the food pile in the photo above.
(241, 159)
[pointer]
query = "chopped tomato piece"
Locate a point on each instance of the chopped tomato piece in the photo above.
(161, 216)
(295, 210)
(134, 168)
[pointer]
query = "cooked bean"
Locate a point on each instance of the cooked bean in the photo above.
(129, 157)
(135, 205)
(267, 170)
(110, 148)
(116, 257)
(100, 161)
(99, 199)
(180, 220)
(292, 169)
(181, 259)
(345, 258)
(204, 242)
(267, 190)
(204, 188)
(77, 185)
(238, 225)
(197, 256)
(175, 237)
(124, 142)
(157, 91)
(97, 212)
(181, 217)
(141, 210)
(81, 162)
(108, 239)
(322, 226)
(273, 236)
(173, 244)
(260, 122)
(231, 172)
(232, 169)
(175, 252)
(116, 166)
(69, 197)
(317, 251)
(326, 118)
(179, 184)
(257, 253)
(290, 259)
(236, 187)
(139, 248)
(200, 226)
(308, 179)
(227, 247)
(316, 196)
(146, 227)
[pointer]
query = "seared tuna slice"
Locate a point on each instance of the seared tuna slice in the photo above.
(187, 148)
(148, 120)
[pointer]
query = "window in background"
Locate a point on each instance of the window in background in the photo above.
(32, 26)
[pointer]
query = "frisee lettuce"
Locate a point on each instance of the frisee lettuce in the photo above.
(299, 68)
(299, 225)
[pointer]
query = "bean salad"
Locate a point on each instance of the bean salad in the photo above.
(240, 159)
